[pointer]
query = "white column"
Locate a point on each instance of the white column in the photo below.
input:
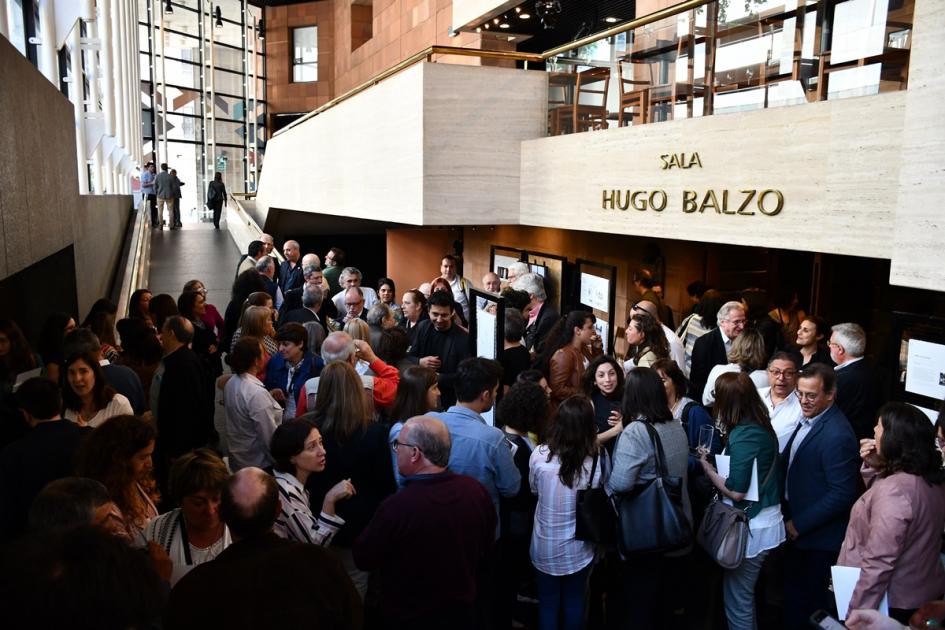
(48, 63)
(75, 97)
(108, 84)
(115, 70)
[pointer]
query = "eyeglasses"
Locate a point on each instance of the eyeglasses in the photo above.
(394, 444)
(831, 344)
(808, 396)
(736, 322)
(779, 373)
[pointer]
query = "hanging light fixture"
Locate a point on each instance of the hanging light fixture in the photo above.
(168, 7)
(218, 14)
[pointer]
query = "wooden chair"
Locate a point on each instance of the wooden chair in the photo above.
(580, 116)
(631, 98)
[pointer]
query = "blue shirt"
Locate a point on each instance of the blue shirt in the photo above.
(147, 182)
(481, 452)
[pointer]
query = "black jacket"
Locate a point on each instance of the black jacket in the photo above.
(536, 333)
(185, 408)
(290, 277)
(857, 397)
(707, 352)
(451, 347)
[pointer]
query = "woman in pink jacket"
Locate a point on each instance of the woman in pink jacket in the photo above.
(895, 530)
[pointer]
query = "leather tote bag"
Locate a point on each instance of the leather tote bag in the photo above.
(595, 515)
(724, 530)
(650, 518)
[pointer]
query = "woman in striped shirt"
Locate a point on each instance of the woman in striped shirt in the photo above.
(298, 452)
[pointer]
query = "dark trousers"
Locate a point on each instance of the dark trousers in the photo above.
(562, 600)
(806, 585)
(177, 222)
(652, 594)
(152, 206)
(455, 617)
(217, 207)
(486, 583)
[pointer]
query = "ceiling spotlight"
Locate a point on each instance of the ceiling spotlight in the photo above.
(219, 17)
(505, 22)
(495, 20)
(524, 16)
(168, 8)
(486, 25)
(611, 20)
(478, 29)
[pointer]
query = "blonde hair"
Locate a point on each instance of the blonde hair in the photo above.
(358, 329)
(342, 404)
(748, 350)
(257, 321)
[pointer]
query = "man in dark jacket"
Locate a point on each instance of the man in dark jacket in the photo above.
(856, 382)
(538, 325)
(712, 348)
(261, 580)
(184, 407)
(440, 345)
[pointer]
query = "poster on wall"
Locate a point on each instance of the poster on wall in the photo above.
(486, 328)
(595, 291)
(552, 270)
(502, 257)
(603, 331)
(925, 372)
(486, 335)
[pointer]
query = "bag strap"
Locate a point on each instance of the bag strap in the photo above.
(661, 470)
(590, 482)
(684, 416)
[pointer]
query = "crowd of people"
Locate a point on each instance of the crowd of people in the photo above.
(368, 470)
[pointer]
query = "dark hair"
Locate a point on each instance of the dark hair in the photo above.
(530, 376)
(572, 437)
(288, 440)
(250, 281)
(449, 257)
(134, 305)
(106, 454)
(138, 342)
(255, 248)
(50, 338)
(589, 382)
(441, 298)
(784, 296)
(824, 372)
(102, 392)
(177, 324)
(20, 358)
(737, 402)
(654, 339)
(81, 578)
(697, 288)
(783, 355)
(197, 471)
(908, 443)
(250, 520)
(645, 278)
(293, 332)
(101, 320)
(382, 281)
(823, 328)
(161, 307)
(187, 302)
(411, 399)
(67, 502)
(523, 407)
(40, 398)
(515, 299)
(756, 304)
(392, 345)
(80, 341)
(708, 308)
(561, 334)
(474, 376)
(671, 369)
(644, 397)
(418, 297)
(246, 351)
(339, 256)
(514, 325)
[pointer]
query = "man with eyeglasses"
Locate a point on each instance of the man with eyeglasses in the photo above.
(783, 406)
(712, 348)
(820, 466)
(429, 539)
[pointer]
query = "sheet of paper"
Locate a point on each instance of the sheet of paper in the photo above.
(602, 329)
(723, 465)
(22, 377)
(925, 369)
(595, 292)
(844, 581)
(485, 334)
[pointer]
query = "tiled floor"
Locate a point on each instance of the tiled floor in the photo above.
(196, 251)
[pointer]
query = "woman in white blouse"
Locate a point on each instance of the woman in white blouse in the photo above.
(87, 397)
(298, 452)
(569, 460)
(747, 355)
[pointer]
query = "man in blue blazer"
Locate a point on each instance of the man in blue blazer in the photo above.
(821, 480)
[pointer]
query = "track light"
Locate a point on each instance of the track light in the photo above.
(219, 16)
(168, 7)
(261, 27)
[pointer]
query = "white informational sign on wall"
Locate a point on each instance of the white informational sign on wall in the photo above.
(595, 292)
(603, 329)
(925, 369)
(485, 335)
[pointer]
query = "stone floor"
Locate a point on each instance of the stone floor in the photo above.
(196, 251)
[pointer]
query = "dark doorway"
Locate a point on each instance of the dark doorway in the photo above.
(46, 286)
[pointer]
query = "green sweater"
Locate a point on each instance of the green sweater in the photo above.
(748, 442)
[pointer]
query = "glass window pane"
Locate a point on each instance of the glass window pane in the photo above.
(183, 101)
(228, 107)
(227, 58)
(305, 55)
(177, 73)
(144, 66)
(229, 132)
(183, 128)
(227, 82)
(230, 34)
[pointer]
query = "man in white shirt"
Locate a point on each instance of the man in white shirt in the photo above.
(459, 284)
(351, 277)
(491, 283)
(676, 351)
(783, 405)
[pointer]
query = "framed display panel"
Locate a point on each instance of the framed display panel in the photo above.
(487, 330)
(555, 273)
(918, 361)
(597, 292)
(501, 257)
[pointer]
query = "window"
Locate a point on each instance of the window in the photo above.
(305, 55)
(362, 22)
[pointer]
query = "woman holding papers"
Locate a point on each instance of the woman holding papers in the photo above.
(752, 485)
(895, 529)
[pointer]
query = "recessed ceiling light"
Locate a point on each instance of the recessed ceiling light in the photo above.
(495, 20)
(611, 20)
(487, 25)
(478, 30)
(504, 25)
(524, 16)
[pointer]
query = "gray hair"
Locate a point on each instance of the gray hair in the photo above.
(316, 336)
(349, 272)
(338, 346)
(727, 309)
(263, 264)
(67, 502)
(432, 437)
(518, 269)
(851, 338)
(308, 270)
(531, 283)
(312, 296)
(378, 314)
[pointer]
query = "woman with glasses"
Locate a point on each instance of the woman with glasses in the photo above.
(211, 316)
(298, 452)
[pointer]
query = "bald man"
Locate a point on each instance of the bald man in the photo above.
(676, 351)
(491, 283)
(257, 577)
(311, 259)
(428, 539)
(290, 271)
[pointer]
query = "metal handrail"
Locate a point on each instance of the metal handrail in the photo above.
(135, 272)
(427, 54)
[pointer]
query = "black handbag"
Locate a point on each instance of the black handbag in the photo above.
(595, 517)
(651, 518)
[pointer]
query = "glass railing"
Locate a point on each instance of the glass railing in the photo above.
(732, 56)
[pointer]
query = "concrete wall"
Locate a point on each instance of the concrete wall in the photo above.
(101, 222)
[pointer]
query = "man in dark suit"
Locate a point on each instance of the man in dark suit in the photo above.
(261, 580)
(441, 345)
(856, 381)
(538, 329)
(295, 300)
(820, 466)
(290, 271)
(312, 300)
(712, 348)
